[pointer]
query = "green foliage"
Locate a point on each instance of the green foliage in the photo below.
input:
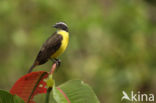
(6, 97)
(58, 96)
(76, 91)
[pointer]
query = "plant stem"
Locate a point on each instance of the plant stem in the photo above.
(50, 88)
(48, 94)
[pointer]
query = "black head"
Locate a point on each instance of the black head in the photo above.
(61, 25)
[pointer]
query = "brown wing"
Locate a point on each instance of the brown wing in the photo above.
(49, 47)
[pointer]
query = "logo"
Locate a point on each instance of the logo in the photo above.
(137, 97)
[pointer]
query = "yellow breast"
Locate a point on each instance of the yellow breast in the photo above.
(64, 43)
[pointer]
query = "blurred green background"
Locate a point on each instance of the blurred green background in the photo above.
(112, 43)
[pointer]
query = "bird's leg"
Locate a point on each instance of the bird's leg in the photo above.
(57, 61)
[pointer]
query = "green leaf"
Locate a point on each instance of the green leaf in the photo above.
(74, 91)
(58, 96)
(6, 97)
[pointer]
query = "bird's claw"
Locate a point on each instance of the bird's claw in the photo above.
(58, 62)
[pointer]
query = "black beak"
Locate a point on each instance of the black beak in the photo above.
(54, 26)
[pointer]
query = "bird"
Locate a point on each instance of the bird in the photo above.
(53, 47)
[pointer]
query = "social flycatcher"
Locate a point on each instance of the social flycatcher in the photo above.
(54, 46)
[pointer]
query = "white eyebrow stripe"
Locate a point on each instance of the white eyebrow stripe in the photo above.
(61, 23)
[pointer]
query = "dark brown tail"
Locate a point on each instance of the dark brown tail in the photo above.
(33, 66)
